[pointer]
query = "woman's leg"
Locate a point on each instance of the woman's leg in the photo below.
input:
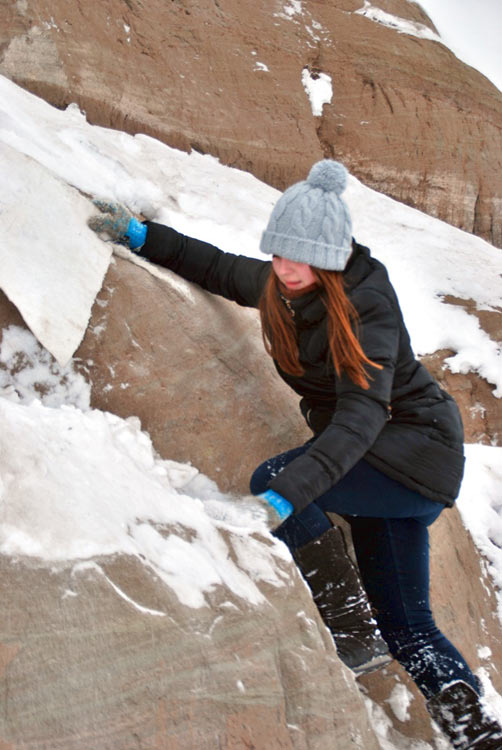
(320, 552)
(393, 557)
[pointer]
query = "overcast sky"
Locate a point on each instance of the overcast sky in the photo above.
(472, 29)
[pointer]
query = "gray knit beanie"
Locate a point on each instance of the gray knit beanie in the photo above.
(310, 222)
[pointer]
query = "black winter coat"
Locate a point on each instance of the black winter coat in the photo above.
(405, 425)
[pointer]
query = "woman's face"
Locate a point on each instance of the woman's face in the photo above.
(293, 275)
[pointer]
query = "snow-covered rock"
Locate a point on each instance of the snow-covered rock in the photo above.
(49, 274)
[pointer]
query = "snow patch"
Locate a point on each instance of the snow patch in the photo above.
(297, 14)
(318, 89)
(52, 265)
(401, 25)
(28, 372)
(400, 700)
(480, 505)
(78, 485)
(388, 737)
(491, 698)
(484, 652)
(294, 8)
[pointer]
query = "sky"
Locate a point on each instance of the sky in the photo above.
(123, 491)
(473, 30)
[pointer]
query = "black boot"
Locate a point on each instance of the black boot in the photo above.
(462, 718)
(342, 602)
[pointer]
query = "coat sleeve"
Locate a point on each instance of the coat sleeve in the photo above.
(234, 277)
(359, 415)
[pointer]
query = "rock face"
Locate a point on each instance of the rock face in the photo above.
(225, 77)
(81, 668)
(94, 672)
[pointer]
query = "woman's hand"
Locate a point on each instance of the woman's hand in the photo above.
(281, 506)
(115, 223)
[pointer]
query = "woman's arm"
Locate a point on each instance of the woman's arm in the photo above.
(360, 414)
(235, 277)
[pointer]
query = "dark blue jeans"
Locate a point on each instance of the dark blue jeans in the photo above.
(391, 540)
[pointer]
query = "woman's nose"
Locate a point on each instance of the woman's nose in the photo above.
(282, 264)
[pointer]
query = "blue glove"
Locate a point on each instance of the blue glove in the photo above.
(282, 507)
(118, 225)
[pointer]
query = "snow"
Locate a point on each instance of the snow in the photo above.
(318, 89)
(480, 505)
(28, 370)
(84, 463)
(302, 17)
(401, 25)
(390, 738)
(399, 701)
(43, 279)
(77, 483)
(294, 8)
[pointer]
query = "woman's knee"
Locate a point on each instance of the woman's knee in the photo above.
(273, 466)
(259, 479)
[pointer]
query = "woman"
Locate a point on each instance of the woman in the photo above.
(387, 446)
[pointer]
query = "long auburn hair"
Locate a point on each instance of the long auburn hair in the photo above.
(280, 337)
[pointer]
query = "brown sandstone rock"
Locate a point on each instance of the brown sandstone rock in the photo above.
(81, 668)
(481, 412)
(407, 117)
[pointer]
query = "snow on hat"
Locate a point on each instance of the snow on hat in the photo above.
(310, 223)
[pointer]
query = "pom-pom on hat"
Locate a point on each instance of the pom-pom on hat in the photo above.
(310, 222)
